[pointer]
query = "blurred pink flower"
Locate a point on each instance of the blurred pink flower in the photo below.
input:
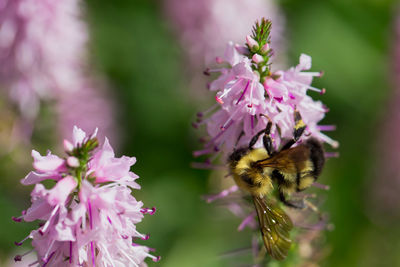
(89, 216)
(41, 46)
(43, 56)
(383, 196)
(204, 26)
(89, 106)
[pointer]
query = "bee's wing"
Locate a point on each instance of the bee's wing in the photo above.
(275, 226)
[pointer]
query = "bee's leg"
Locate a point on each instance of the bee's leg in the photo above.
(293, 204)
(299, 128)
(267, 140)
(253, 140)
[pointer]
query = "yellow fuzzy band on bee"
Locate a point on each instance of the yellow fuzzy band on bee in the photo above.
(253, 156)
(299, 124)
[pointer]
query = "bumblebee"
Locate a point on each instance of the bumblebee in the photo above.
(291, 169)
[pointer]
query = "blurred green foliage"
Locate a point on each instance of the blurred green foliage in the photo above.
(133, 45)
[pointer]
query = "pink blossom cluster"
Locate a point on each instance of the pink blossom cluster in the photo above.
(204, 26)
(248, 95)
(89, 217)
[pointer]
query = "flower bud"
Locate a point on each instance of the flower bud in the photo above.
(253, 45)
(264, 49)
(68, 146)
(73, 162)
(257, 58)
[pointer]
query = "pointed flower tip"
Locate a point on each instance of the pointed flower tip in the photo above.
(323, 91)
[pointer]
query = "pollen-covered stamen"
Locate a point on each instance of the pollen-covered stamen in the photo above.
(321, 91)
(228, 90)
(50, 247)
(328, 140)
(48, 259)
(16, 219)
(19, 257)
(154, 258)
(23, 240)
(150, 211)
(208, 71)
(141, 236)
(46, 225)
(219, 100)
(229, 121)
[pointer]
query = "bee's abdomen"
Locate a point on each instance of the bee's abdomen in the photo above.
(316, 156)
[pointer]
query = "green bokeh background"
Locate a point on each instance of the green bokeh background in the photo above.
(134, 47)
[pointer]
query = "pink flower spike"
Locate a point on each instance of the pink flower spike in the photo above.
(89, 216)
